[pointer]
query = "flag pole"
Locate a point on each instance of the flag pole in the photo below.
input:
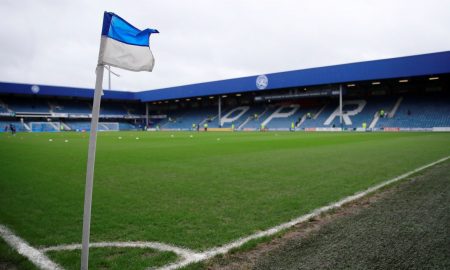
(90, 167)
(340, 104)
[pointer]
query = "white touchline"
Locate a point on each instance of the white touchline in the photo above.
(22, 247)
(224, 249)
(188, 256)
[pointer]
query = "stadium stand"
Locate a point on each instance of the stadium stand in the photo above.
(370, 108)
(319, 115)
(284, 116)
(241, 116)
(3, 108)
(414, 111)
(420, 112)
(428, 113)
(185, 119)
(412, 92)
(21, 105)
(128, 126)
(423, 112)
(19, 126)
(113, 109)
(74, 106)
(257, 119)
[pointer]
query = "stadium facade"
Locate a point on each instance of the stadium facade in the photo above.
(405, 93)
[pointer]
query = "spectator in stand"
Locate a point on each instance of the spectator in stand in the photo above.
(408, 112)
(382, 113)
(308, 115)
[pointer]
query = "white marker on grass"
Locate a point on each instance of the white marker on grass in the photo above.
(37, 257)
(50, 140)
(66, 140)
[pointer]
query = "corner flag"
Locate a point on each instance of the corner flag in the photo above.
(124, 46)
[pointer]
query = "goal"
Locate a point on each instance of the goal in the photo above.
(108, 126)
(45, 126)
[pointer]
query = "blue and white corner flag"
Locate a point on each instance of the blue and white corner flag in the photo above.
(125, 46)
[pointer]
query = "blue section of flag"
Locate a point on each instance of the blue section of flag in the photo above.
(117, 28)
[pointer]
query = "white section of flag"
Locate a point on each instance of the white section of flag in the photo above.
(126, 56)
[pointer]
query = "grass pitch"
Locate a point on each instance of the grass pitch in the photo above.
(197, 192)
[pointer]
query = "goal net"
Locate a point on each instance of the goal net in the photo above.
(45, 126)
(108, 126)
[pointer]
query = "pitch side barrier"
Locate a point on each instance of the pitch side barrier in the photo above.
(386, 129)
(318, 129)
(187, 129)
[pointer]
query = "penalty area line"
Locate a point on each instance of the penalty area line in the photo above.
(208, 254)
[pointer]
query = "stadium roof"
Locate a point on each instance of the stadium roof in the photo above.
(401, 67)
(409, 66)
(61, 91)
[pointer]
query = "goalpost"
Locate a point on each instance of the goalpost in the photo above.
(45, 126)
(108, 126)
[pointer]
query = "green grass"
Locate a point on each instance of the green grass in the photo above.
(194, 192)
(114, 258)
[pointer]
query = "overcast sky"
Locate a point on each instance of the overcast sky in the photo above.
(56, 42)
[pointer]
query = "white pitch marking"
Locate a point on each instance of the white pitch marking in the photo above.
(22, 247)
(197, 257)
(185, 253)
